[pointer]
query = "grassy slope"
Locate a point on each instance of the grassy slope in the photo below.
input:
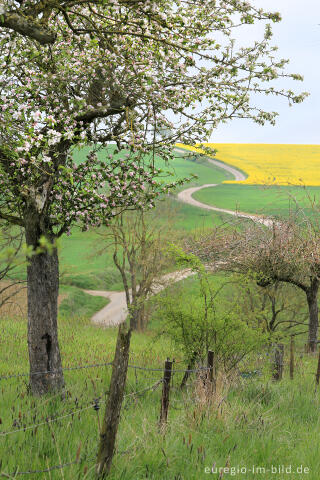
(257, 423)
(78, 303)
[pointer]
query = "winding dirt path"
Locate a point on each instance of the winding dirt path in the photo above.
(186, 197)
(116, 311)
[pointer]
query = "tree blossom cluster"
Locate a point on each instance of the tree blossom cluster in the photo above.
(96, 191)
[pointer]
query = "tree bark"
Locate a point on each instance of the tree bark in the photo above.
(113, 408)
(43, 287)
(312, 298)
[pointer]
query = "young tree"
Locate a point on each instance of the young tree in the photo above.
(110, 71)
(138, 241)
(209, 320)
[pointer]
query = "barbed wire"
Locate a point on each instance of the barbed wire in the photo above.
(96, 399)
(137, 367)
(50, 420)
(95, 405)
(96, 365)
(200, 369)
(52, 372)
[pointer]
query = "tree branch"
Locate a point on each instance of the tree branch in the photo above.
(91, 115)
(25, 26)
(12, 219)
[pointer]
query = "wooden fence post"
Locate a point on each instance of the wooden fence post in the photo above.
(210, 365)
(278, 361)
(318, 371)
(291, 357)
(165, 392)
(111, 419)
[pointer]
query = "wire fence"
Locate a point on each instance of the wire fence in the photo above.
(46, 470)
(53, 372)
(267, 355)
(93, 405)
(99, 400)
(95, 365)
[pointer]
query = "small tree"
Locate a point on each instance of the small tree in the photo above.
(138, 241)
(206, 322)
(289, 252)
(276, 309)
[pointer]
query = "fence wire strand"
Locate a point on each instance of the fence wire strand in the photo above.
(52, 372)
(95, 405)
(50, 420)
(96, 365)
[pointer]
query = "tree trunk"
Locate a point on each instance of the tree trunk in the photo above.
(312, 298)
(113, 408)
(278, 361)
(133, 317)
(43, 287)
(137, 312)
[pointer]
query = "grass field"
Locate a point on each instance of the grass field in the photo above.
(82, 267)
(267, 164)
(252, 422)
(272, 200)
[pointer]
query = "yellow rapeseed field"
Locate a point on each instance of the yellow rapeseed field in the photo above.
(267, 164)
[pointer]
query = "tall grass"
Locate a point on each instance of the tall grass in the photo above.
(252, 422)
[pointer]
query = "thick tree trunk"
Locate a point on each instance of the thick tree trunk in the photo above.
(43, 287)
(113, 408)
(312, 298)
